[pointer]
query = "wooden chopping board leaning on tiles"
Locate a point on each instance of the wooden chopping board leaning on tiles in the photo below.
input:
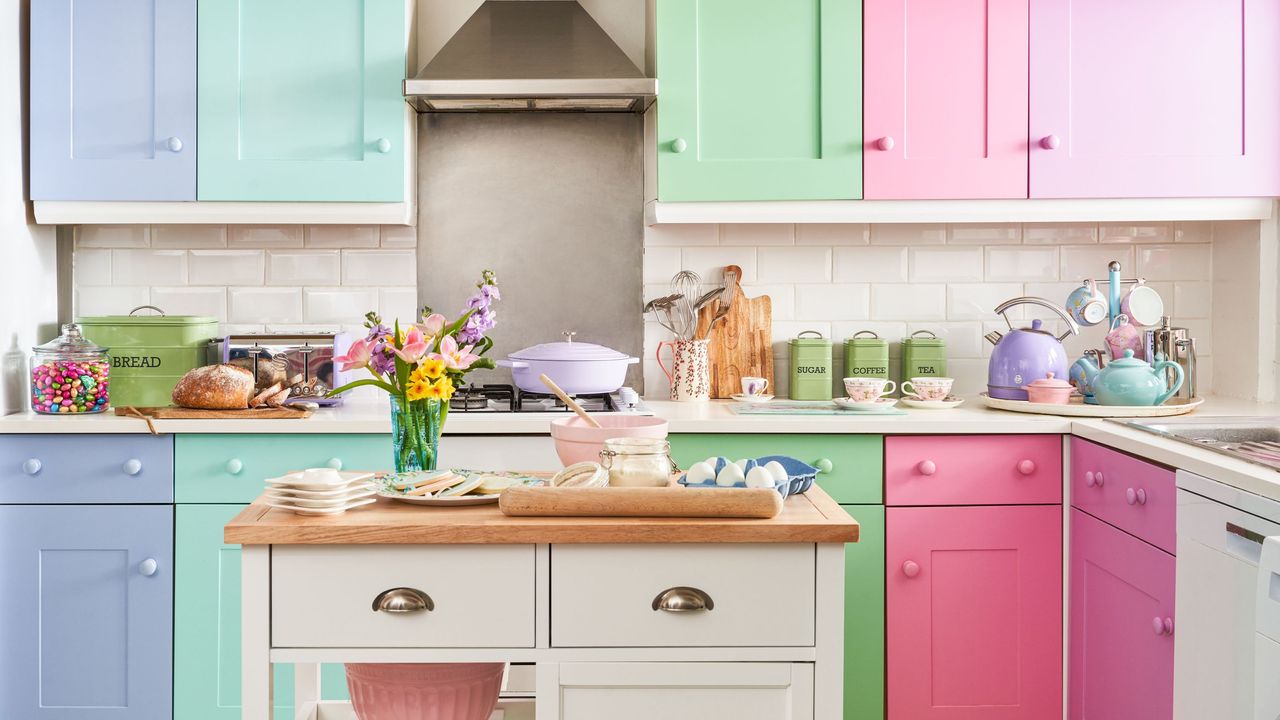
(740, 334)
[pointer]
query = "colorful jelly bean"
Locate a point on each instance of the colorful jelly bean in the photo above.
(65, 386)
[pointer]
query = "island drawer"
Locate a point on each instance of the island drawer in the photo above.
(973, 470)
(474, 596)
(57, 469)
(758, 595)
(1131, 494)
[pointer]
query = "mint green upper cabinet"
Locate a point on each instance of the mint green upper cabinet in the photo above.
(759, 99)
(300, 100)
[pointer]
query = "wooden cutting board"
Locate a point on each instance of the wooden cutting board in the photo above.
(641, 502)
(180, 413)
(741, 343)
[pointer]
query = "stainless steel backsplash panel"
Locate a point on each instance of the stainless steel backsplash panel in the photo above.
(553, 203)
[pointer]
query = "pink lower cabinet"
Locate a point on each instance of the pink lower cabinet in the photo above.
(1121, 625)
(974, 612)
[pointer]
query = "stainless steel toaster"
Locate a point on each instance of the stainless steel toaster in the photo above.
(303, 362)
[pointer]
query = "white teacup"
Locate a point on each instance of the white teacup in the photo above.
(928, 388)
(754, 385)
(866, 390)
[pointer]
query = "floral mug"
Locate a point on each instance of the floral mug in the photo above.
(690, 372)
(1124, 336)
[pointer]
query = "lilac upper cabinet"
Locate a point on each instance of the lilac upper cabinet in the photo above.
(1151, 98)
(945, 111)
(113, 100)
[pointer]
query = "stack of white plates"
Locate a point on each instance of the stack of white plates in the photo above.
(320, 491)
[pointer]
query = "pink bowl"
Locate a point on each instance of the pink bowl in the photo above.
(435, 691)
(576, 441)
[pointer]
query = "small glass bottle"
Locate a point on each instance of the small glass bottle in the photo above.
(69, 375)
(637, 462)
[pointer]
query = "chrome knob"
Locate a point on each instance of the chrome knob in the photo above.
(910, 568)
(334, 464)
(173, 144)
(683, 599)
(132, 466)
(1050, 142)
(679, 145)
(885, 143)
(31, 466)
(234, 466)
(383, 145)
(148, 567)
(403, 600)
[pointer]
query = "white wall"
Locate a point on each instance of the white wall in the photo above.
(28, 281)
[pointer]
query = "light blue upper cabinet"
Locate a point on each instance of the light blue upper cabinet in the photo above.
(86, 612)
(301, 100)
(113, 100)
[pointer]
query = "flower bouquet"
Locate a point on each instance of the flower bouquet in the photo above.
(420, 366)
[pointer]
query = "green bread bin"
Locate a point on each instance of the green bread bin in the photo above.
(150, 353)
(810, 366)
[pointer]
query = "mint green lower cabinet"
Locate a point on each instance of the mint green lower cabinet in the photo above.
(864, 616)
(206, 638)
(231, 468)
(857, 461)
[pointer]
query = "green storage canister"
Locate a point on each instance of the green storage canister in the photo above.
(866, 355)
(150, 353)
(924, 356)
(810, 366)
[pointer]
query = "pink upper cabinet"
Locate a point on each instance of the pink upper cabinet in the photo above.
(1155, 98)
(945, 111)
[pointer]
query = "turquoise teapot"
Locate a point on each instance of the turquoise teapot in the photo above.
(1129, 381)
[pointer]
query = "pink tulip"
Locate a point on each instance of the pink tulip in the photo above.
(432, 325)
(456, 358)
(415, 346)
(357, 356)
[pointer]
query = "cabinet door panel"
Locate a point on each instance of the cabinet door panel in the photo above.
(86, 633)
(1120, 666)
(642, 691)
(864, 616)
(946, 81)
(112, 82)
(761, 100)
(1155, 99)
(296, 97)
(974, 612)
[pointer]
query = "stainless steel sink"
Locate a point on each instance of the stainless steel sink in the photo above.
(1252, 439)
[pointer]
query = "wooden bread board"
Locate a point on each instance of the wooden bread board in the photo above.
(181, 413)
(675, 501)
(741, 344)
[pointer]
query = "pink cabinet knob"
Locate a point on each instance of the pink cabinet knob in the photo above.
(1088, 479)
(1135, 497)
(885, 143)
(910, 568)
(1168, 626)
(1157, 625)
(1026, 467)
(1050, 142)
(1097, 479)
(927, 467)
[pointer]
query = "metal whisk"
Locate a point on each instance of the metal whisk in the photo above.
(688, 285)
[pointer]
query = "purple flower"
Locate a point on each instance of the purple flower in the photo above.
(381, 361)
(378, 333)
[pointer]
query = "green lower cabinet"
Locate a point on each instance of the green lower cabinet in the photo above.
(231, 468)
(864, 616)
(856, 472)
(206, 615)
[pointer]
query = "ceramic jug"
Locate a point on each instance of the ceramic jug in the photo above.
(690, 372)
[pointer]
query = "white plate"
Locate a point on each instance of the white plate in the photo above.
(451, 501)
(1078, 408)
(915, 402)
(320, 504)
(751, 398)
(324, 511)
(876, 406)
(294, 481)
(356, 487)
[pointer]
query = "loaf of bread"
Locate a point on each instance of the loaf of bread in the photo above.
(214, 387)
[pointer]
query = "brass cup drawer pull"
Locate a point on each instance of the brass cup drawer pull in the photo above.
(403, 600)
(683, 599)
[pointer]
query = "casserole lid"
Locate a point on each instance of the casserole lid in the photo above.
(568, 351)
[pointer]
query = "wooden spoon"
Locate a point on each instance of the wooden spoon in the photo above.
(564, 397)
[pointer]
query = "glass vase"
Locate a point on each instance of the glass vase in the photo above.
(415, 431)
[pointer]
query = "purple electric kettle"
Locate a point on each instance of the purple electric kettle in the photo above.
(1026, 354)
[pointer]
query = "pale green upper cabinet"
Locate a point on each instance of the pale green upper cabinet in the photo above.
(300, 100)
(759, 99)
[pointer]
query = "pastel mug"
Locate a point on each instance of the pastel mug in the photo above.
(928, 388)
(866, 390)
(1124, 336)
(1143, 305)
(1087, 304)
(754, 385)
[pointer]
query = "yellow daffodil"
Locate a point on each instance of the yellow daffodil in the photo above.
(432, 368)
(441, 389)
(418, 389)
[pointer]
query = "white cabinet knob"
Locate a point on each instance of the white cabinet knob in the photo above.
(235, 466)
(31, 466)
(148, 567)
(132, 466)
(173, 144)
(334, 463)
(383, 145)
(679, 145)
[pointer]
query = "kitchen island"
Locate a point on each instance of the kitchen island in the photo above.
(598, 605)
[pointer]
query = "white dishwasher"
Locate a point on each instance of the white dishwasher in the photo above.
(1220, 535)
(1267, 655)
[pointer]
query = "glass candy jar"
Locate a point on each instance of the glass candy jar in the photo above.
(69, 375)
(637, 462)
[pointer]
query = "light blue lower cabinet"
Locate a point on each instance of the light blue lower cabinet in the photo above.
(86, 612)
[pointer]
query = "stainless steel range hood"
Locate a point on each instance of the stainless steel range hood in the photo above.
(520, 55)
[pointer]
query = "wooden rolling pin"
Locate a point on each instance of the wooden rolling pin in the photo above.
(641, 502)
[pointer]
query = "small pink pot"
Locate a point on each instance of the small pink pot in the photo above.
(434, 691)
(576, 441)
(1049, 390)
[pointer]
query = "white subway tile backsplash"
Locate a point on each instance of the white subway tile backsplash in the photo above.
(379, 267)
(782, 298)
(984, 234)
(840, 301)
(1196, 232)
(304, 328)
(148, 267)
(833, 234)
(1174, 262)
(1191, 299)
(784, 331)
(709, 262)
(264, 305)
(893, 332)
(226, 267)
(870, 264)
(228, 328)
(942, 264)
(113, 236)
(338, 305)
(264, 236)
(188, 236)
(977, 301)
(660, 263)
(793, 264)
(211, 301)
(682, 235)
(92, 266)
(1079, 262)
(916, 301)
(1156, 233)
(399, 303)
(1052, 291)
(908, 234)
(762, 234)
(1056, 234)
(341, 236)
(398, 236)
(1038, 264)
(304, 267)
(110, 300)
(963, 339)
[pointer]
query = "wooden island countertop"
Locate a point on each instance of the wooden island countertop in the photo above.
(809, 518)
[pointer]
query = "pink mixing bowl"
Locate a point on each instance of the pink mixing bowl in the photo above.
(436, 691)
(576, 441)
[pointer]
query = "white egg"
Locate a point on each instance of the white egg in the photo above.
(776, 470)
(759, 477)
(700, 473)
(744, 464)
(714, 462)
(731, 475)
